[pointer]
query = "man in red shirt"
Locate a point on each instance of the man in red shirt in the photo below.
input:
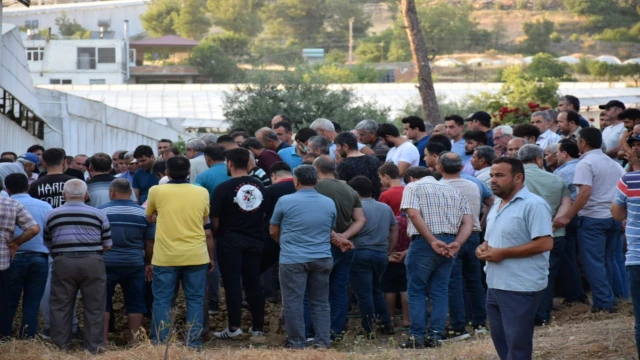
(389, 174)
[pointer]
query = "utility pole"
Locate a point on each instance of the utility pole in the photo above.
(382, 51)
(421, 61)
(350, 58)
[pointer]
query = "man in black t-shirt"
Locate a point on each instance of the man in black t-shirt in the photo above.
(237, 213)
(354, 163)
(49, 186)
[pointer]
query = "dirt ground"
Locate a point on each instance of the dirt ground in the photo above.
(574, 334)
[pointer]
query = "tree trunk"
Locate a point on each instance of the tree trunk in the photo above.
(421, 62)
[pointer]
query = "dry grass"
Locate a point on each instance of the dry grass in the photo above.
(575, 334)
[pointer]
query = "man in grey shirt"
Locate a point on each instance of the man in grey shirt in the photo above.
(599, 235)
(378, 236)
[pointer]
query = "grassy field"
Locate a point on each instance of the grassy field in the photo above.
(574, 334)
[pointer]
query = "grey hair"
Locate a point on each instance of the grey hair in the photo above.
(196, 145)
(325, 164)
(120, 186)
(369, 126)
(524, 141)
(450, 162)
(545, 115)
(428, 127)
(267, 134)
(320, 143)
(529, 153)
(209, 139)
(307, 175)
(128, 155)
(322, 124)
(553, 114)
(487, 153)
(504, 129)
(553, 148)
(75, 188)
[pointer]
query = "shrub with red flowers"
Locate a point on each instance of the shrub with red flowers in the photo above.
(517, 115)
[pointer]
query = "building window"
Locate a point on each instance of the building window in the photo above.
(35, 54)
(106, 55)
(86, 58)
(97, 81)
(60, 81)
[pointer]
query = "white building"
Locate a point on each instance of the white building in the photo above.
(77, 62)
(86, 14)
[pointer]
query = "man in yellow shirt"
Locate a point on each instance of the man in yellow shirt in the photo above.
(180, 252)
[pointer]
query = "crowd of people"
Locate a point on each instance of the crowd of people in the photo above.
(464, 227)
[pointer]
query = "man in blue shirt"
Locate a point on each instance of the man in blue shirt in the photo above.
(129, 260)
(415, 130)
(293, 155)
(217, 172)
(144, 178)
(30, 265)
(518, 240)
(305, 256)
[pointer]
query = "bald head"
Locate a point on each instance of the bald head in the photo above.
(450, 163)
(513, 146)
(440, 129)
(325, 165)
(269, 138)
(75, 190)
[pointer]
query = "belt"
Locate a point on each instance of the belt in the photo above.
(77, 253)
(31, 254)
(414, 237)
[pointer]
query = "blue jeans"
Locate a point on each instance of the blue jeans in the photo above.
(555, 258)
(165, 280)
(569, 276)
(28, 273)
(634, 282)
(428, 270)
(339, 289)
(597, 239)
(620, 280)
(511, 315)
(467, 267)
(366, 274)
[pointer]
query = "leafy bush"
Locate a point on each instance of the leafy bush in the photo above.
(555, 37)
(538, 36)
(546, 66)
(617, 35)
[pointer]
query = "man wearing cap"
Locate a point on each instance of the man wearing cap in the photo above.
(633, 156)
(612, 133)
(30, 163)
(481, 121)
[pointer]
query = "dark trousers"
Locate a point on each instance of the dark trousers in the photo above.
(28, 274)
(634, 282)
(511, 315)
(366, 274)
(70, 274)
(5, 325)
(555, 258)
(239, 259)
(569, 276)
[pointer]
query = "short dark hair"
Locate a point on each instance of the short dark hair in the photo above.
(252, 143)
(224, 139)
(516, 165)
(5, 160)
(53, 156)
(416, 172)
(120, 154)
(631, 114)
(214, 152)
(346, 138)
(573, 117)
(574, 101)
(16, 183)
(308, 158)
(121, 186)
(436, 148)
(570, 147)
(325, 164)
(477, 136)
(237, 133)
(457, 118)
(239, 157)
(178, 167)
(362, 185)
(307, 175)
(174, 150)
(165, 141)
(283, 124)
(337, 127)
(160, 168)
(592, 136)
(101, 162)
(279, 166)
(414, 122)
(390, 169)
(450, 162)
(34, 148)
(526, 130)
(14, 155)
(440, 139)
(387, 129)
(487, 153)
(284, 118)
(303, 135)
(143, 150)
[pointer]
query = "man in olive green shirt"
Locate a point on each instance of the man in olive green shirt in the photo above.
(556, 193)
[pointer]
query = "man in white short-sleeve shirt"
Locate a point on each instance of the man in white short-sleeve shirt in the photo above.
(401, 152)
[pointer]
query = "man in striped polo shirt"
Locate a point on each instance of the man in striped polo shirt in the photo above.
(626, 205)
(77, 235)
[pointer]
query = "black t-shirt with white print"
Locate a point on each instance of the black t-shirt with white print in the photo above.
(238, 205)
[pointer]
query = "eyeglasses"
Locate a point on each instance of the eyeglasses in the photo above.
(498, 137)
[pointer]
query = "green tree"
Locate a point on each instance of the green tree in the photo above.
(604, 71)
(538, 36)
(632, 70)
(368, 52)
(335, 56)
(518, 90)
(238, 16)
(546, 66)
(192, 21)
(211, 61)
(617, 35)
(159, 18)
(248, 106)
(66, 26)
(232, 44)
(590, 7)
(339, 74)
